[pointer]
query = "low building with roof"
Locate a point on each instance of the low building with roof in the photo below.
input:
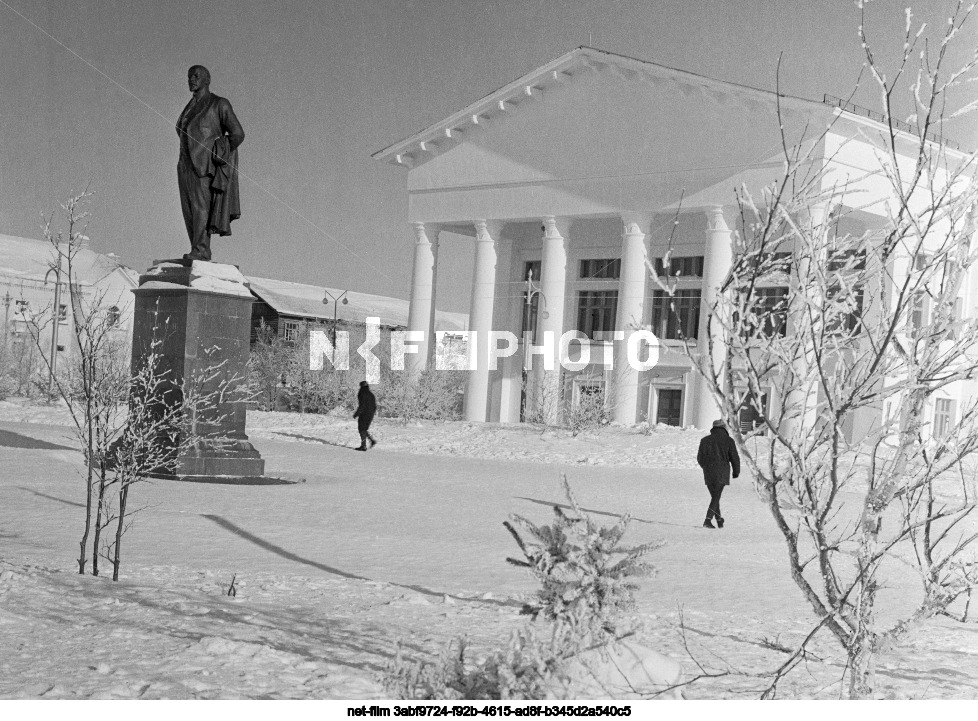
(28, 283)
(286, 308)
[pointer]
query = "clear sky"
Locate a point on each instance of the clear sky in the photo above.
(90, 91)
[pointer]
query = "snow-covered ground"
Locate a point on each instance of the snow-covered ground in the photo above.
(404, 543)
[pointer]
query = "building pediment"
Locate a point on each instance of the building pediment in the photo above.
(624, 74)
(594, 133)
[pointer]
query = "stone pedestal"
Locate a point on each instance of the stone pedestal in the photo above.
(200, 315)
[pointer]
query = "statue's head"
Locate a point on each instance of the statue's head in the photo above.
(198, 76)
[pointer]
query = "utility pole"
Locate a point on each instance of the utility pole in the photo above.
(7, 299)
(56, 315)
(326, 301)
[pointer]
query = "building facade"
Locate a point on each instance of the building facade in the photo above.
(31, 287)
(581, 176)
(287, 309)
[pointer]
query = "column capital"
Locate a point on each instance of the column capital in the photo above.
(636, 223)
(556, 226)
(717, 218)
(487, 230)
(427, 232)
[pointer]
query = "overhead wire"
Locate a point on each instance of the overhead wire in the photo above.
(160, 114)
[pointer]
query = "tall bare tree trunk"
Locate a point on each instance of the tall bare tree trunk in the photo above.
(119, 529)
(83, 544)
(862, 667)
(98, 518)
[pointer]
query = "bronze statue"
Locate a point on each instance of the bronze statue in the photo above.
(207, 172)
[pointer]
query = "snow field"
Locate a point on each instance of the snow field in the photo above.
(404, 542)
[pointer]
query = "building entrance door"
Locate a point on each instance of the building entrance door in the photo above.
(669, 406)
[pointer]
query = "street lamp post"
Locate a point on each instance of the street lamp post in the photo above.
(326, 301)
(532, 290)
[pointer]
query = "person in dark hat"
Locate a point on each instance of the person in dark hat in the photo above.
(717, 456)
(366, 407)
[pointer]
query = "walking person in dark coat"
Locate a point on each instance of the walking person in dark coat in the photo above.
(366, 407)
(717, 455)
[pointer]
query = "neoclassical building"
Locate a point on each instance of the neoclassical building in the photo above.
(582, 174)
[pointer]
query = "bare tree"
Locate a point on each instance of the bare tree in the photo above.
(131, 420)
(841, 334)
(93, 385)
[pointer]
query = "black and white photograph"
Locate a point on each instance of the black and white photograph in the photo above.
(513, 357)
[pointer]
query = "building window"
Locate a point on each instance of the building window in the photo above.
(531, 311)
(676, 317)
(943, 417)
(596, 311)
(588, 391)
(62, 313)
(601, 268)
(669, 406)
(847, 316)
(23, 306)
(290, 331)
(751, 413)
(776, 262)
(770, 307)
(687, 267)
(112, 316)
(918, 310)
(61, 348)
(853, 321)
(847, 259)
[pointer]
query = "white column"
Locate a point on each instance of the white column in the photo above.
(553, 284)
(421, 309)
(480, 318)
(718, 256)
(432, 341)
(631, 311)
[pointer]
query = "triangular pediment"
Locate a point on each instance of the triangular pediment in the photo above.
(593, 133)
(587, 66)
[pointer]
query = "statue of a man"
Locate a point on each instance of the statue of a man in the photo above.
(207, 172)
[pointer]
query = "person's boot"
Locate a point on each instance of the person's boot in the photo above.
(708, 524)
(360, 448)
(719, 521)
(373, 441)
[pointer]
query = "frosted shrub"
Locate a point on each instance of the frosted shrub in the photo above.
(585, 573)
(532, 666)
(586, 576)
(589, 413)
(433, 395)
(7, 387)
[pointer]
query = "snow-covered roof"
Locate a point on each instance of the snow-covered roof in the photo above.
(306, 301)
(26, 259)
